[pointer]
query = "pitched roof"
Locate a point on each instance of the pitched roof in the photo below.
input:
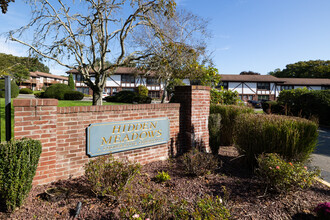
(48, 75)
(121, 71)
(305, 81)
(250, 78)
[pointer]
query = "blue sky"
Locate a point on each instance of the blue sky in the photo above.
(256, 35)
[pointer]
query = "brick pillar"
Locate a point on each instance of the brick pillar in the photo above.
(194, 115)
(37, 119)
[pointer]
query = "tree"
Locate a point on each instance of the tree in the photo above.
(71, 82)
(249, 73)
(180, 52)
(305, 69)
(32, 64)
(75, 33)
(4, 5)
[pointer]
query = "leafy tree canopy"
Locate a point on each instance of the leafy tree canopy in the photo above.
(32, 64)
(304, 69)
(249, 73)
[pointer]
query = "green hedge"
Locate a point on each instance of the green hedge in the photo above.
(273, 107)
(25, 91)
(307, 104)
(18, 163)
(214, 132)
(142, 90)
(57, 91)
(128, 97)
(14, 89)
(291, 137)
(225, 97)
(73, 95)
(228, 115)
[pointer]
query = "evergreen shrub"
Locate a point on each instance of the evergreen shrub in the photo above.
(291, 137)
(57, 91)
(224, 97)
(39, 94)
(13, 86)
(18, 163)
(228, 115)
(25, 91)
(128, 97)
(273, 107)
(214, 132)
(73, 95)
(142, 90)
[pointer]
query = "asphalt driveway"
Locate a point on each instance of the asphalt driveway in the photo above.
(321, 156)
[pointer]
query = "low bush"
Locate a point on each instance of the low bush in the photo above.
(128, 97)
(142, 90)
(284, 176)
(25, 91)
(214, 132)
(109, 176)
(162, 177)
(224, 97)
(13, 86)
(228, 115)
(57, 91)
(39, 95)
(291, 137)
(273, 107)
(198, 163)
(18, 164)
(73, 95)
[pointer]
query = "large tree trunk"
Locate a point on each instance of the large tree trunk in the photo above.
(97, 97)
(164, 91)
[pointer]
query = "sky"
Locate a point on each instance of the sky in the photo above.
(247, 35)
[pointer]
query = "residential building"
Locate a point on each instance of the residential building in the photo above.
(38, 80)
(125, 78)
(267, 87)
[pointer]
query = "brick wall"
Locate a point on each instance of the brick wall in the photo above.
(62, 130)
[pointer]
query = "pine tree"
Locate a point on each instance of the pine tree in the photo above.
(71, 82)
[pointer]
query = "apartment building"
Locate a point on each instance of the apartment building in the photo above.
(38, 80)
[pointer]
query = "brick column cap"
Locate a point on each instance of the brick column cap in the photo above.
(34, 102)
(193, 87)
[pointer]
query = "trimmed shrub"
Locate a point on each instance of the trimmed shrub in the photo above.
(307, 104)
(273, 107)
(291, 137)
(284, 176)
(214, 132)
(73, 95)
(197, 163)
(224, 97)
(25, 91)
(18, 164)
(13, 86)
(57, 91)
(39, 95)
(128, 97)
(109, 176)
(142, 90)
(228, 115)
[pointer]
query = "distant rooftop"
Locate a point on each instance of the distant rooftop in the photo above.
(48, 75)
(250, 78)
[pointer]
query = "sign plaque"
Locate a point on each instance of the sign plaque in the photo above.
(113, 137)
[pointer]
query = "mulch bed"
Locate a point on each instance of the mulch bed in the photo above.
(246, 197)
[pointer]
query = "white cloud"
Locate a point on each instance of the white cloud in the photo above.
(13, 48)
(223, 48)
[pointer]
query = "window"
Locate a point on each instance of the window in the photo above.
(263, 86)
(325, 87)
(79, 77)
(250, 97)
(223, 84)
(263, 97)
(127, 79)
(152, 81)
(128, 89)
(245, 97)
(154, 94)
(84, 90)
(286, 87)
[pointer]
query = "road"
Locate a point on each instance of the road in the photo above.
(321, 156)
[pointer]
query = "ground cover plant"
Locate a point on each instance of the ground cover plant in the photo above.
(233, 189)
(291, 137)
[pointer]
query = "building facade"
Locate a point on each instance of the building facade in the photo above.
(38, 80)
(267, 87)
